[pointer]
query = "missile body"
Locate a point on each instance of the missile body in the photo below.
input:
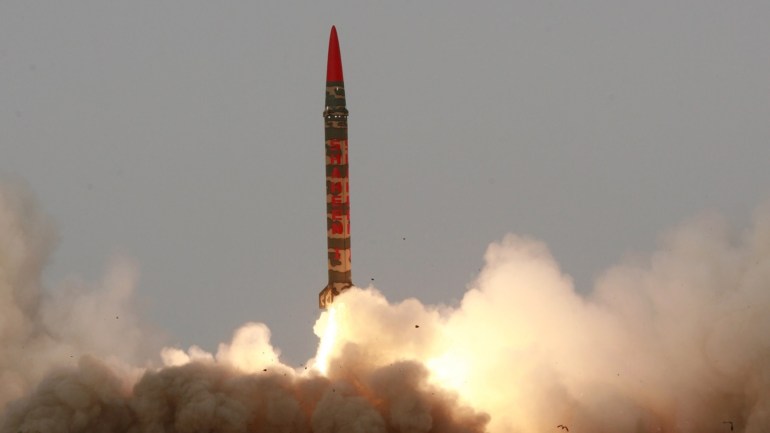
(337, 183)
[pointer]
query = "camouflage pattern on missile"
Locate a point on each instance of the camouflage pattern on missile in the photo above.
(337, 183)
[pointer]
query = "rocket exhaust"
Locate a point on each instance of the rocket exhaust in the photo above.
(337, 182)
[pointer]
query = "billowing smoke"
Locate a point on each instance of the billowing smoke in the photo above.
(675, 342)
(69, 362)
(42, 330)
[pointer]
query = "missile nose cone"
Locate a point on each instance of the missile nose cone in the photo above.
(334, 63)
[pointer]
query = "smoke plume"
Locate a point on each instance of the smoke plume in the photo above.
(41, 330)
(677, 341)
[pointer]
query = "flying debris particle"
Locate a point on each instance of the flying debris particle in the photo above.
(264, 369)
(403, 239)
(416, 326)
(563, 427)
(116, 317)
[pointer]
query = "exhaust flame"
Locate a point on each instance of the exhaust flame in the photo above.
(326, 328)
(449, 370)
(676, 342)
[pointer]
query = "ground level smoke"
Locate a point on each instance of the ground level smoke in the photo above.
(678, 341)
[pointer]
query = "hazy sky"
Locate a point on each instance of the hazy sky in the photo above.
(188, 136)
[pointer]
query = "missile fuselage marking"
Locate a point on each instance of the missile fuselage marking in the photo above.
(337, 180)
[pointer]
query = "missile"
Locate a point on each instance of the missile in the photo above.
(337, 182)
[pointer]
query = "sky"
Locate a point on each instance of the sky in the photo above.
(187, 137)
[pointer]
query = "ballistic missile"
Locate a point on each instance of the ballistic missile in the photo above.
(337, 182)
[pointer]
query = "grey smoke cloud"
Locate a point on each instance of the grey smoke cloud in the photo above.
(41, 330)
(201, 396)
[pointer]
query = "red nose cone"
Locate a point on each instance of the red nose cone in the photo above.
(334, 64)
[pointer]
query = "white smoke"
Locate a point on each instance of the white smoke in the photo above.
(677, 342)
